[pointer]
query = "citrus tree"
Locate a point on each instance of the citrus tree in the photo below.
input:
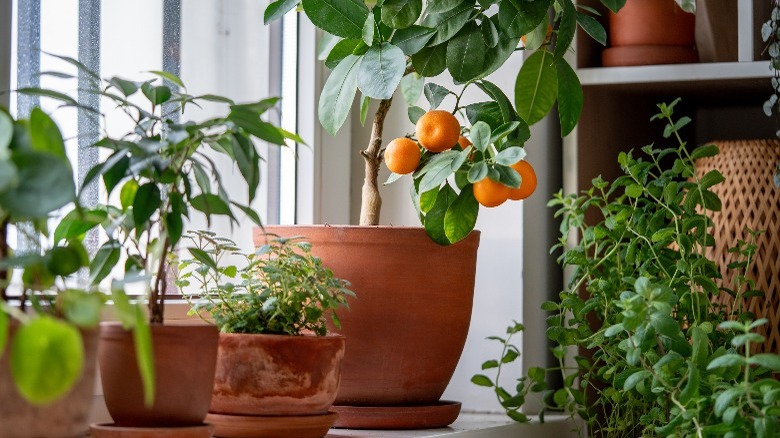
(377, 47)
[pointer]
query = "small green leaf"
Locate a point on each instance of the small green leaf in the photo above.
(210, 204)
(415, 112)
(725, 361)
(381, 71)
(343, 18)
(480, 136)
(412, 88)
(510, 156)
(338, 94)
(46, 359)
(435, 94)
(614, 5)
(635, 378)
(448, 23)
(203, 257)
(412, 39)
(482, 380)
(277, 9)
(400, 14)
(766, 360)
(75, 224)
(156, 94)
(489, 364)
(592, 27)
(364, 105)
(368, 29)
(516, 20)
(340, 51)
(104, 261)
(478, 172)
(146, 202)
(430, 61)
(45, 136)
(169, 77)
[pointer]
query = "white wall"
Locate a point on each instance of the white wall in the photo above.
(498, 295)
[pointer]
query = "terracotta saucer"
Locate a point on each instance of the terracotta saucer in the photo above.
(434, 416)
(108, 430)
(247, 426)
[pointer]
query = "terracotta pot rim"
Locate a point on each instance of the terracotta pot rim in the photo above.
(365, 227)
(374, 234)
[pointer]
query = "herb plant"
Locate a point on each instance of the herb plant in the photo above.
(280, 289)
(656, 356)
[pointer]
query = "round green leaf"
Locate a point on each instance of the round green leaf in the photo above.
(430, 61)
(344, 18)
(536, 87)
(338, 94)
(47, 356)
(466, 53)
(381, 71)
(400, 14)
(45, 183)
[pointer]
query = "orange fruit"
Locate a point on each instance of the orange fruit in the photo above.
(490, 193)
(547, 38)
(402, 155)
(437, 130)
(528, 185)
(464, 142)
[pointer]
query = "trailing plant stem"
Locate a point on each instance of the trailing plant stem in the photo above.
(372, 155)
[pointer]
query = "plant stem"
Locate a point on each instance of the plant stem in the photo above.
(372, 155)
(157, 298)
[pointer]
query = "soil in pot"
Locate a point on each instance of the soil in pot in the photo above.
(185, 360)
(66, 417)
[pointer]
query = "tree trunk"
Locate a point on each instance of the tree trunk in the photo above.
(371, 201)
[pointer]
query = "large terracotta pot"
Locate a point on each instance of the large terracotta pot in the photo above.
(646, 32)
(276, 375)
(66, 417)
(184, 361)
(408, 325)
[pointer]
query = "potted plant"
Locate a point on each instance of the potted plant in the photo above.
(48, 325)
(377, 48)
(278, 368)
(664, 357)
(162, 172)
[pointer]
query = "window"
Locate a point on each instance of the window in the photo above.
(217, 47)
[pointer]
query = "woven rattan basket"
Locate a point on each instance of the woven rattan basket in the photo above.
(750, 199)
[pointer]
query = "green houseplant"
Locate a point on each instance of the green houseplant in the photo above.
(380, 47)
(276, 361)
(163, 173)
(47, 358)
(656, 355)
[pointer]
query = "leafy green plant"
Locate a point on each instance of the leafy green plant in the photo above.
(656, 355)
(380, 46)
(45, 353)
(280, 289)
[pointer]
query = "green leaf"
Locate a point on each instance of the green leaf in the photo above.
(412, 39)
(251, 123)
(338, 94)
(277, 9)
(448, 23)
(104, 261)
(614, 5)
(203, 257)
(32, 91)
(45, 136)
(508, 113)
(172, 78)
(6, 134)
(665, 325)
(210, 204)
(46, 359)
(45, 183)
(430, 61)
(368, 29)
(75, 224)
(725, 398)
(569, 97)
(592, 27)
(497, 55)
(508, 176)
(725, 361)
(478, 172)
(251, 214)
(709, 150)
(248, 162)
(635, 378)
(381, 71)
(4, 328)
(127, 194)
(466, 53)
(400, 14)
(480, 136)
(713, 177)
(144, 350)
(66, 260)
(439, 6)
(691, 389)
(156, 94)
(82, 308)
(488, 112)
(340, 51)
(536, 87)
(435, 94)
(482, 380)
(343, 18)
(364, 105)
(489, 33)
(489, 364)
(147, 200)
(566, 28)
(436, 174)
(434, 219)
(510, 156)
(766, 360)
(415, 112)
(516, 21)
(461, 216)
(634, 191)
(412, 88)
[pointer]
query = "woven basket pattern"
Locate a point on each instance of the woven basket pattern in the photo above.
(750, 200)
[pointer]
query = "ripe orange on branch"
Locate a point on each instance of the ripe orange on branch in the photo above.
(437, 130)
(402, 155)
(528, 184)
(490, 193)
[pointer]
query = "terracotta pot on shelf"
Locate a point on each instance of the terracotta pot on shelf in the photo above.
(276, 385)
(408, 325)
(184, 361)
(647, 32)
(66, 417)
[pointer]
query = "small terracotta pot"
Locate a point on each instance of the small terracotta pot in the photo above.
(652, 22)
(274, 375)
(66, 417)
(184, 361)
(408, 325)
